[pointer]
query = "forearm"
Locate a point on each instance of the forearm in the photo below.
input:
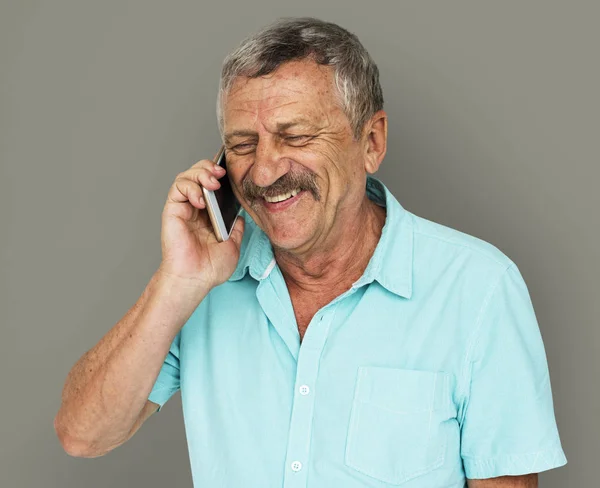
(522, 481)
(107, 388)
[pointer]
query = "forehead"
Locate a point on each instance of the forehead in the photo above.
(295, 88)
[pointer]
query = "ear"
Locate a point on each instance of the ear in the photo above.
(375, 141)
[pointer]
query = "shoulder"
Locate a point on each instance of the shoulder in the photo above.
(448, 259)
(430, 236)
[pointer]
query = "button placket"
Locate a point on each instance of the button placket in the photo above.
(298, 454)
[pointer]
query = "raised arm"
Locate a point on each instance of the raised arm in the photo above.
(105, 397)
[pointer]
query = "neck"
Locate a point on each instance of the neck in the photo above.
(338, 263)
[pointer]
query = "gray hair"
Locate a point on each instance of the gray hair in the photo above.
(356, 74)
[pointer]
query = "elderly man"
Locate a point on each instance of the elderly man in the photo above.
(337, 339)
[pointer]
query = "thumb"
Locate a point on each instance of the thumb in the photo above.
(237, 233)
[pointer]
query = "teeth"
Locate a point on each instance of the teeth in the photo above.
(282, 197)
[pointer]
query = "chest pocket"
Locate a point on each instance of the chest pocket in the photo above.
(397, 431)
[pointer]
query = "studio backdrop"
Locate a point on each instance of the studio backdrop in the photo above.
(493, 130)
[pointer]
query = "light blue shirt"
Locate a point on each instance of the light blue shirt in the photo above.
(430, 369)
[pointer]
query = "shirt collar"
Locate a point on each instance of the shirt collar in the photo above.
(390, 265)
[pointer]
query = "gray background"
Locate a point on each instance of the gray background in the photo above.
(494, 128)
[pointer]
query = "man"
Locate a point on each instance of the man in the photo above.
(336, 340)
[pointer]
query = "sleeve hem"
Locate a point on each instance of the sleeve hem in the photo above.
(160, 395)
(514, 464)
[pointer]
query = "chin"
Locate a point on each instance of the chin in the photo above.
(291, 228)
(287, 236)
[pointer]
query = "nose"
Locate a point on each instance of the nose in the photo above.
(269, 165)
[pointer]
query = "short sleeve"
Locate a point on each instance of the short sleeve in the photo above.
(509, 427)
(167, 382)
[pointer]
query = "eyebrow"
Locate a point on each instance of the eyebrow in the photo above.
(281, 127)
(239, 133)
(286, 125)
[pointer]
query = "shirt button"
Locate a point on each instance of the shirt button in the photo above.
(296, 466)
(304, 390)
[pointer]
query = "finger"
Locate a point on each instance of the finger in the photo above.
(210, 166)
(237, 233)
(204, 177)
(207, 178)
(185, 190)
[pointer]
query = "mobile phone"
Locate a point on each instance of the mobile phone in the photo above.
(222, 205)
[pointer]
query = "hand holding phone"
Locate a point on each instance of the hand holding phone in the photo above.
(200, 248)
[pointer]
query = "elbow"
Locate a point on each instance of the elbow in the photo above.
(73, 446)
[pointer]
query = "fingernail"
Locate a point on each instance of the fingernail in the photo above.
(213, 179)
(220, 169)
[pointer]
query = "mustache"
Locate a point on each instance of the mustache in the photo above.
(285, 184)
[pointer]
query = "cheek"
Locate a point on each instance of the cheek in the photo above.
(323, 162)
(338, 155)
(237, 169)
(338, 171)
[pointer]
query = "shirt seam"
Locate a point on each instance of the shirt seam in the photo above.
(161, 386)
(517, 454)
(466, 376)
(470, 248)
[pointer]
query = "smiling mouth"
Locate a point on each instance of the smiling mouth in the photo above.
(282, 202)
(282, 197)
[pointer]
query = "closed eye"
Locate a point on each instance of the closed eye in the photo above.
(298, 140)
(244, 148)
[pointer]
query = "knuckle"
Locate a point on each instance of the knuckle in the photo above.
(180, 187)
(203, 163)
(180, 176)
(204, 176)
